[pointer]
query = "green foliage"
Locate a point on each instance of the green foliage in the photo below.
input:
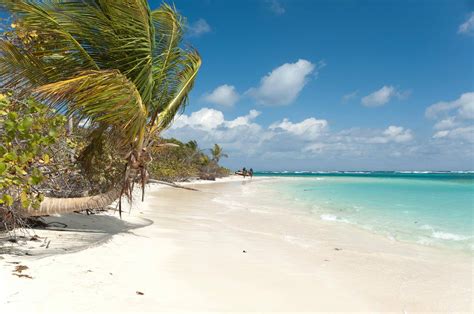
(27, 130)
(100, 162)
(118, 64)
(217, 153)
(183, 162)
(174, 163)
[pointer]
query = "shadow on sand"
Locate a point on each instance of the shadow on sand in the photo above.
(68, 233)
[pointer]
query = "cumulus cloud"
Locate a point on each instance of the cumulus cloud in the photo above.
(204, 119)
(209, 126)
(283, 85)
(243, 120)
(357, 142)
(454, 118)
(465, 133)
(243, 137)
(447, 123)
(310, 143)
(464, 106)
(468, 26)
(395, 134)
(224, 95)
(276, 7)
(309, 128)
(199, 28)
(379, 97)
(209, 119)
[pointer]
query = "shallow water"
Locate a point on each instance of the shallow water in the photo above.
(434, 209)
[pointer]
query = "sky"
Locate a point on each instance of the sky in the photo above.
(332, 84)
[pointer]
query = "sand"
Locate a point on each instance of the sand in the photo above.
(223, 249)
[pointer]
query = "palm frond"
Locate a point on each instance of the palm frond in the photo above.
(99, 95)
(93, 35)
(19, 70)
(183, 83)
(167, 55)
(131, 42)
(44, 18)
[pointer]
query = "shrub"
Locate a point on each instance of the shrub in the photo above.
(27, 130)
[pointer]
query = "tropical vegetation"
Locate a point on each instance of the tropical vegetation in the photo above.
(26, 134)
(184, 161)
(118, 72)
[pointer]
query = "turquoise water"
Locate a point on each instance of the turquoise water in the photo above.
(434, 209)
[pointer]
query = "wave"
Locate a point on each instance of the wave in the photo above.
(449, 236)
(433, 172)
(416, 172)
(370, 172)
(426, 227)
(441, 235)
(330, 217)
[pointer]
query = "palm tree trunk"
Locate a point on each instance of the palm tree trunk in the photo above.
(50, 206)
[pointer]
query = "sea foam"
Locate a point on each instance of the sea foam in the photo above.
(330, 217)
(449, 236)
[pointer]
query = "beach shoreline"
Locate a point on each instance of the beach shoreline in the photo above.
(216, 250)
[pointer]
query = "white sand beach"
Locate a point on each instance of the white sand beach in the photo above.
(223, 248)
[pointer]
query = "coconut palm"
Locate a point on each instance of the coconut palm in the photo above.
(217, 153)
(117, 64)
(193, 145)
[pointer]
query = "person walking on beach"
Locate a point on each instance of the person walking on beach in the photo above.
(251, 173)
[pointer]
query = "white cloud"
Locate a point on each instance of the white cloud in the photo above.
(398, 134)
(464, 105)
(447, 123)
(466, 110)
(243, 120)
(199, 28)
(350, 96)
(243, 138)
(309, 128)
(224, 95)
(379, 97)
(209, 119)
(204, 119)
(468, 26)
(465, 133)
(283, 85)
(239, 136)
(364, 143)
(310, 144)
(454, 118)
(276, 7)
(384, 95)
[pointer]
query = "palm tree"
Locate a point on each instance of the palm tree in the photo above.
(217, 153)
(116, 63)
(193, 145)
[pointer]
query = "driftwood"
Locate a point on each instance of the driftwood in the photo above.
(171, 184)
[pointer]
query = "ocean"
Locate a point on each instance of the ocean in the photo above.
(428, 208)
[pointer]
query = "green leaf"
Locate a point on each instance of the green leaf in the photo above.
(46, 158)
(27, 123)
(3, 167)
(7, 199)
(25, 202)
(10, 156)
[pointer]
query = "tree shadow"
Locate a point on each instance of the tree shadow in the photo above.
(67, 233)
